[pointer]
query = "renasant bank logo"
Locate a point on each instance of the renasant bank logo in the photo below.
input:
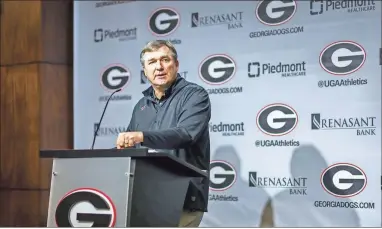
(296, 185)
(362, 125)
(108, 130)
(231, 20)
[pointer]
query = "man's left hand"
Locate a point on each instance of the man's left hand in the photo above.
(129, 139)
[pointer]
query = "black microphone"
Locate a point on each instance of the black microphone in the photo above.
(104, 109)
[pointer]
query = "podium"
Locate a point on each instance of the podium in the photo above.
(117, 188)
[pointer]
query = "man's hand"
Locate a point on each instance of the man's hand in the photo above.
(129, 139)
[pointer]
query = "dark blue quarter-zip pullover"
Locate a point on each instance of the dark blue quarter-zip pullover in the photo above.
(178, 121)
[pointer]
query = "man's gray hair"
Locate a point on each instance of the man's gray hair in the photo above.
(155, 45)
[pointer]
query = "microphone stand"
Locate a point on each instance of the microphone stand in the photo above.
(104, 109)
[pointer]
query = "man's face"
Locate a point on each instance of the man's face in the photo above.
(160, 67)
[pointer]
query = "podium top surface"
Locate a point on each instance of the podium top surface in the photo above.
(162, 158)
(88, 153)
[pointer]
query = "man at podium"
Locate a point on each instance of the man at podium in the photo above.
(173, 114)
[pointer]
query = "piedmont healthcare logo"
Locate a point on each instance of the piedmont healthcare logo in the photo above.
(275, 13)
(343, 180)
(276, 120)
(362, 126)
(342, 58)
(228, 129)
(256, 69)
(223, 176)
(319, 7)
(101, 35)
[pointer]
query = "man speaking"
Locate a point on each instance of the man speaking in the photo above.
(173, 114)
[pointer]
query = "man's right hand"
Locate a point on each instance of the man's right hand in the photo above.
(129, 139)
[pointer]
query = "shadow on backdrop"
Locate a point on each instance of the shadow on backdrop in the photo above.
(299, 211)
(247, 211)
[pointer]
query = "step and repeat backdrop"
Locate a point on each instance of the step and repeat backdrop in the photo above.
(295, 88)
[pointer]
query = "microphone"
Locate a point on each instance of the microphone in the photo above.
(104, 109)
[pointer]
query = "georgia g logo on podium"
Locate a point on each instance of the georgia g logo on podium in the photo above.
(85, 207)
